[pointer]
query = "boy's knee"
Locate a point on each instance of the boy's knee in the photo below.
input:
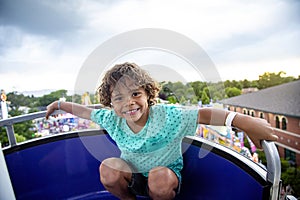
(162, 182)
(112, 171)
(108, 176)
(162, 175)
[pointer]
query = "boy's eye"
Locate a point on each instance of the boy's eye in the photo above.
(136, 94)
(117, 99)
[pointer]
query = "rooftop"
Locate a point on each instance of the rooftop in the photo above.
(282, 99)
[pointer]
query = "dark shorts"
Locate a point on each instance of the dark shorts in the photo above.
(139, 185)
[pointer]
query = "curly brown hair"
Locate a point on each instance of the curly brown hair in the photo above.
(140, 77)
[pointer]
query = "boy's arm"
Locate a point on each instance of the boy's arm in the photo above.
(69, 107)
(256, 128)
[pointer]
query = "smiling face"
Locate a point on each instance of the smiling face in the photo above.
(131, 71)
(130, 101)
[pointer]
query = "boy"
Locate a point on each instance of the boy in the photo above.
(149, 135)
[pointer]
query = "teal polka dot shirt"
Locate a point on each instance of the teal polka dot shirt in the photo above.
(158, 143)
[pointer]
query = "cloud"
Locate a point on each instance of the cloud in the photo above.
(46, 20)
(53, 38)
(51, 18)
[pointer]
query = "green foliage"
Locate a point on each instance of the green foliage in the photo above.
(24, 129)
(53, 96)
(289, 175)
(246, 143)
(204, 98)
(284, 165)
(292, 176)
(262, 157)
(76, 98)
(234, 83)
(182, 100)
(232, 91)
(220, 90)
(194, 100)
(271, 79)
(246, 84)
(216, 91)
(198, 87)
(20, 138)
(172, 99)
(207, 93)
(3, 137)
(16, 100)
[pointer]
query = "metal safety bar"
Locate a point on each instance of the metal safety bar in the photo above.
(273, 168)
(9, 122)
(6, 188)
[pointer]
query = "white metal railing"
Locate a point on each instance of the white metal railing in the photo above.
(273, 168)
(9, 122)
(6, 188)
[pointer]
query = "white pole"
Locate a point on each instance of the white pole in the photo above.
(4, 110)
(6, 189)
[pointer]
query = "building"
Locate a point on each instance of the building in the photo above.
(280, 106)
(249, 90)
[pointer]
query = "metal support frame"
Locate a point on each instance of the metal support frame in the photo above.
(6, 188)
(9, 122)
(11, 135)
(273, 168)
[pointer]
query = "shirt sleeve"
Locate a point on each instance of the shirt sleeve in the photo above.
(183, 119)
(102, 116)
(190, 119)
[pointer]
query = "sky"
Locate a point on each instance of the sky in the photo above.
(44, 44)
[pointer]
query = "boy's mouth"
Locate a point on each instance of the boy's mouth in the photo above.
(130, 112)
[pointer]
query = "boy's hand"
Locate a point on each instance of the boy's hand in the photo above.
(258, 129)
(51, 108)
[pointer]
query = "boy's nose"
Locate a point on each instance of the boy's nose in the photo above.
(130, 100)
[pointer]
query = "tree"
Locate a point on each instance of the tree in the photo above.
(53, 96)
(292, 176)
(76, 98)
(182, 100)
(16, 100)
(3, 137)
(198, 87)
(20, 138)
(194, 100)
(189, 93)
(269, 79)
(172, 99)
(237, 84)
(207, 93)
(233, 91)
(216, 91)
(246, 84)
(204, 98)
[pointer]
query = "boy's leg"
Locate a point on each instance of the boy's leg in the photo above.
(162, 183)
(115, 175)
